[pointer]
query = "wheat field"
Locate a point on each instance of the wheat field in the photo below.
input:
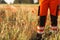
(18, 22)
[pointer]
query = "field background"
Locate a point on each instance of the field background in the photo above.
(18, 22)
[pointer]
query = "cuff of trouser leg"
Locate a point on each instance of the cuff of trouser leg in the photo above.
(40, 29)
(53, 28)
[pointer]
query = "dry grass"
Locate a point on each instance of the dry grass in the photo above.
(18, 23)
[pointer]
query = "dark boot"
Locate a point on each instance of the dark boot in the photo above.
(39, 36)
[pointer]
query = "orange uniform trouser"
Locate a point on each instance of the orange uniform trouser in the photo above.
(45, 4)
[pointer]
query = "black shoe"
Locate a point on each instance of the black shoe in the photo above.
(39, 36)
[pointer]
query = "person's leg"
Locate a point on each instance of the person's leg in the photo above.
(40, 27)
(54, 14)
(42, 18)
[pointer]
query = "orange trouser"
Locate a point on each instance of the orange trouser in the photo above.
(45, 4)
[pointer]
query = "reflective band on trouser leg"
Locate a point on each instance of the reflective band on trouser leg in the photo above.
(40, 30)
(54, 28)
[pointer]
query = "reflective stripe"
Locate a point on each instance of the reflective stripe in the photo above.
(53, 27)
(41, 32)
(40, 28)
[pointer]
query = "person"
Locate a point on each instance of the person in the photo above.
(44, 5)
